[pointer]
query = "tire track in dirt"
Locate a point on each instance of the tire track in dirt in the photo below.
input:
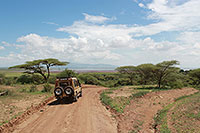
(87, 115)
(139, 114)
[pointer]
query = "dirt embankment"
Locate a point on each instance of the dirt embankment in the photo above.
(87, 115)
(138, 116)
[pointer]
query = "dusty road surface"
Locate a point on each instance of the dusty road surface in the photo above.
(87, 115)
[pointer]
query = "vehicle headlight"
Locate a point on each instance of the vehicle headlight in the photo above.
(68, 91)
(58, 91)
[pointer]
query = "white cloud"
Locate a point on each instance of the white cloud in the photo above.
(71, 49)
(94, 41)
(1, 48)
(97, 19)
(50, 23)
(141, 5)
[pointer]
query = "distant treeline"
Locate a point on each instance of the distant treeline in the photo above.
(166, 74)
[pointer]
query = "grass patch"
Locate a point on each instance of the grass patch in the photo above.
(117, 103)
(137, 126)
(161, 119)
(139, 94)
(185, 112)
(120, 102)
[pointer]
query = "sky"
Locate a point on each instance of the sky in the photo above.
(118, 32)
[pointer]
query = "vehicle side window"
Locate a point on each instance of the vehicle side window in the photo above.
(79, 84)
(75, 83)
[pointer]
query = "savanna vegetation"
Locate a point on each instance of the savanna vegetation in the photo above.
(126, 83)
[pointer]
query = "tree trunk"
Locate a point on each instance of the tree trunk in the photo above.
(159, 84)
(48, 71)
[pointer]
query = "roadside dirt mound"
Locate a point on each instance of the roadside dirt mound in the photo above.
(138, 116)
(9, 127)
(87, 115)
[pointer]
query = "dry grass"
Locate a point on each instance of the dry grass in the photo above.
(18, 100)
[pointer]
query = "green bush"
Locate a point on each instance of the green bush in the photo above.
(24, 89)
(67, 73)
(10, 80)
(37, 79)
(33, 88)
(2, 78)
(30, 79)
(47, 88)
(52, 79)
(123, 81)
(25, 79)
(7, 92)
(88, 79)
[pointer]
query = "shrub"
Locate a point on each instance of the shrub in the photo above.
(24, 79)
(2, 78)
(88, 79)
(30, 79)
(47, 88)
(67, 73)
(37, 79)
(7, 92)
(52, 79)
(33, 88)
(10, 80)
(123, 81)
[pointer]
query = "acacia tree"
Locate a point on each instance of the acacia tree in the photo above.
(195, 76)
(41, 66)
(129, 70)
(162, 70)
(146, 72)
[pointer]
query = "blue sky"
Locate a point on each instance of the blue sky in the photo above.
(119, 32)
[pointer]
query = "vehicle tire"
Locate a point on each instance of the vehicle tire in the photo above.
(75, 98)
(80, 95)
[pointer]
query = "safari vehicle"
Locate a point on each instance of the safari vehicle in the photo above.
(69, 88)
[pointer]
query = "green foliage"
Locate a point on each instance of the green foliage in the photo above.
(123, 82)
(52, 79)
(161, 119)
(139, 94)
(183, 115)
(37, 79)
(28, 88)
(195, 77)
(67, 73)
(47, 88)
(129, 71)
(117, 103)
(163, 69)
(7, 92)
(174, 80)
(30, 79)
(2, 78)
(40, 66)
(33, 88)
(120, 102)
(146, 73)
(25, 79)
(10, 80)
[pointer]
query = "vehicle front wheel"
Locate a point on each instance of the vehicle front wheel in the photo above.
(80, 94)
(75, 98)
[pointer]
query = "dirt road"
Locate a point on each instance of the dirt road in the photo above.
(87, 115)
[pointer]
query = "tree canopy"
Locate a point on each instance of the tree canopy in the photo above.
(146, 72)
(130, 71)
(41, 66)
(163, 69)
